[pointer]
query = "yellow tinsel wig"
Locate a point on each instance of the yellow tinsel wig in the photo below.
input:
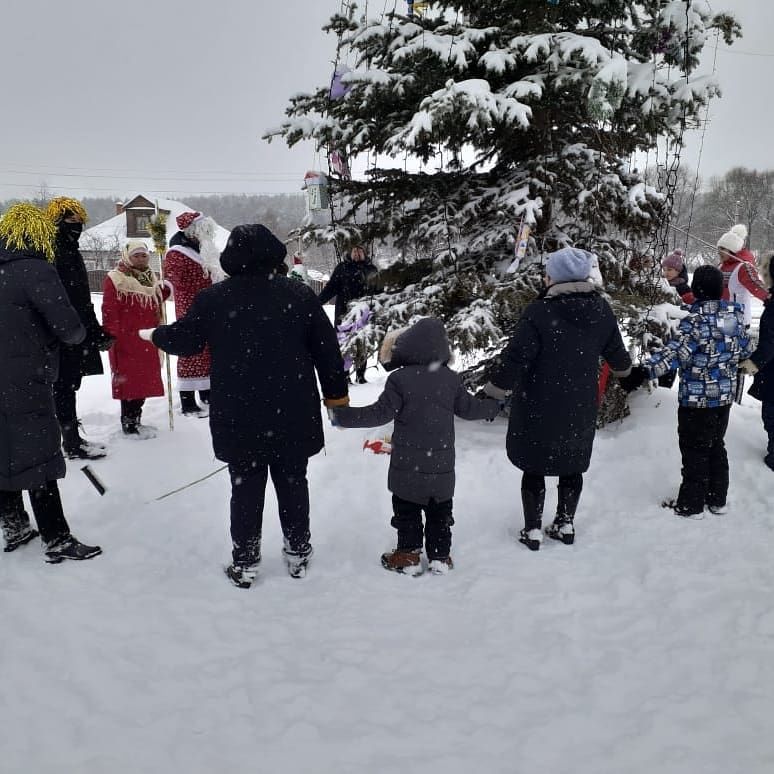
(26, 227)
(64, 206)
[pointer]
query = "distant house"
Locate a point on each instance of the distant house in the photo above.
(101, 244)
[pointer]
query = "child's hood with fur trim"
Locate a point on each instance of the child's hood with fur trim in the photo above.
(423, 343)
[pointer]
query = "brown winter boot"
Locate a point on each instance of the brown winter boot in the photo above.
(404, 561)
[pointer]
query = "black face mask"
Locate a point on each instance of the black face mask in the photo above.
(71, 231)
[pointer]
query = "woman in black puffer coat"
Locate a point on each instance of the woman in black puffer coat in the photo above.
(551, 365)
(35, 318)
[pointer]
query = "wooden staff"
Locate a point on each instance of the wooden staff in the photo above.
(158, 231)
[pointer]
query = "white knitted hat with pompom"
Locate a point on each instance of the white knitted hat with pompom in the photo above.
(733, 240)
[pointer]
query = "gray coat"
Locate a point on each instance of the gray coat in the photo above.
(35, 316)
(422, 398)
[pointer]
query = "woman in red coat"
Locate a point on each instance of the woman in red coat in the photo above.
(131, 300)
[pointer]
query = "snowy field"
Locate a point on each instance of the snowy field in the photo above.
(645, 648)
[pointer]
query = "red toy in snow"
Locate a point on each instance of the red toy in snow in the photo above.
(378, 446)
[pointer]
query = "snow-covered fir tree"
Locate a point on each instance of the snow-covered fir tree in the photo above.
(478, 117)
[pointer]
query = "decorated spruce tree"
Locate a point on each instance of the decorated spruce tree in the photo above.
(480, 118)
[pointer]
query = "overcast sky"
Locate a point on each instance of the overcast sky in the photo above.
(159, 97)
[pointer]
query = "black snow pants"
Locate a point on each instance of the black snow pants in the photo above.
(705, 463)
(407, 519)
(248, 491)
(767, 412)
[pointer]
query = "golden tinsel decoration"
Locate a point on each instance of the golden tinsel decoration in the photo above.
(63, 206)
(26, 227)
(158, 231)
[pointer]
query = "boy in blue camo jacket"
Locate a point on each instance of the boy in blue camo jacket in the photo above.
(711, 343)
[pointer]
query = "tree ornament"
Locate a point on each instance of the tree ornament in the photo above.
(316, 187)
(338, 164)
(339, 89)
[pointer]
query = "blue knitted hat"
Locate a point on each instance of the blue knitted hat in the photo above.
(570, 264)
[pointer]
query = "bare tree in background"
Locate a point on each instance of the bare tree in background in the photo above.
(740, 196)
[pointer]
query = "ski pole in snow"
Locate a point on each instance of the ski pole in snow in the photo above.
(94, 480)
(158, 230)
(192, 483)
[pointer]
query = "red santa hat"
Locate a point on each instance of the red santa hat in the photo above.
(185, 219)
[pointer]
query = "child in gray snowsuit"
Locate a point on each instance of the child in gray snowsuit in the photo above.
(422, 397)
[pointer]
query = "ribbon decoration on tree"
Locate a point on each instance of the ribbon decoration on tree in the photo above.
(346, 331)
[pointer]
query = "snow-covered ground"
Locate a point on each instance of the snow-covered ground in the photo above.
(645, 648)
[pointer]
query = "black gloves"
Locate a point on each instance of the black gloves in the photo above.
(103, 341)
(636, 378)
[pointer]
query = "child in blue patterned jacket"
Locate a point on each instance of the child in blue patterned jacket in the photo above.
(712, 342)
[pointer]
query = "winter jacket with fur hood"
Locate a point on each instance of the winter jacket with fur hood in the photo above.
(268, 336)
(422, 397)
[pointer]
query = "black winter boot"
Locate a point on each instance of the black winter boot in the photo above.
(16, 528)
(297, 560)
(563, 528)
(70, 548)
(244, 567)
(189, 406)
(77, 448)
(532, 502)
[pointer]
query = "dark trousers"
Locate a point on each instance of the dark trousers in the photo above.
(47, 507)
(248, 490)
(131, 413)
(407, 519)
(533, 493)
(767, 411)
(64, 401)
(188, 401)
(705, 462)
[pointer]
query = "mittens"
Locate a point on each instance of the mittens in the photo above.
(636, 378)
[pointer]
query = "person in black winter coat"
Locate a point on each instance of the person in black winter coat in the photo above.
(35, 317)
(761, 362)
(422, 397)
(350, 280)
(551, 365)
(83, 359)
(268, 335)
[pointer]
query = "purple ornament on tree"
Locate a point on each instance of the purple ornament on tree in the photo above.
(339, 89)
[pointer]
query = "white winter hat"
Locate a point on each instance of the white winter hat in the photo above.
(135, 246)
(733, 240)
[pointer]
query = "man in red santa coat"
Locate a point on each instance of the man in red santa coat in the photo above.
(191, 265)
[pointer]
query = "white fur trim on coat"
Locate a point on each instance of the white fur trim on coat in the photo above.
(385, 351)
